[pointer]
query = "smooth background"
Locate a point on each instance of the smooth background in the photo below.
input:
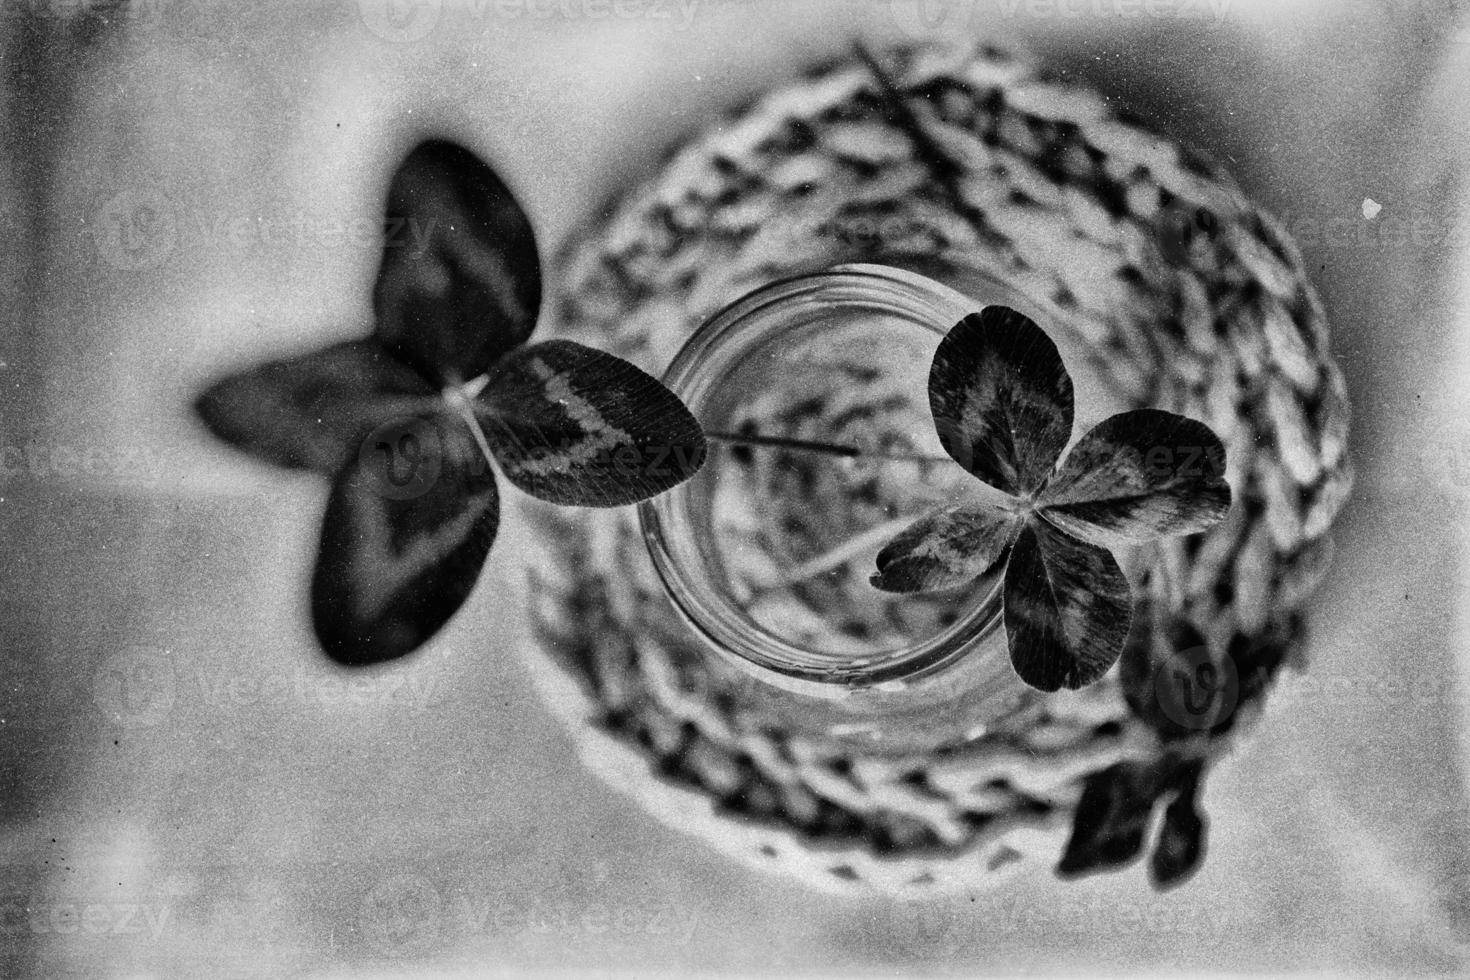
(188, 791)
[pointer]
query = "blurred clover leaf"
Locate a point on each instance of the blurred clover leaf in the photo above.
(1002, 404)
(407, 420)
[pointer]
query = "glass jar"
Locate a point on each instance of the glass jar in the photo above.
(814, 393)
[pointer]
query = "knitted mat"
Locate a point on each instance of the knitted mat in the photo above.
(1186, 297)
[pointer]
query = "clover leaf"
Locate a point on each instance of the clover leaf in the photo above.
(406, 420)
(1002, 403)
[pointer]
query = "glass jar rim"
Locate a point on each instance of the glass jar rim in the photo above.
(758, 651)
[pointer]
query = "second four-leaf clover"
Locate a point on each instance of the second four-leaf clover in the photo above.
(1002, 403)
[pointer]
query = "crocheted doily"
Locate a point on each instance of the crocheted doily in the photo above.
(1186, 297)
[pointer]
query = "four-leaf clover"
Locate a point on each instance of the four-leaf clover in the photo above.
(1002, 405)
(407, 420)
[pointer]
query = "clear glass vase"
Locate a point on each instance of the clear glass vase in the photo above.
(813, 390)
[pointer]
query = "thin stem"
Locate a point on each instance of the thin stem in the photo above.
(459, 398)
(947, 171)
(845, 552)
(825, 448)
(930, 152)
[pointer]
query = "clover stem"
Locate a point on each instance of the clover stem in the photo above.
(459, 397)
(845, 552)
(824, 448)
(858, 544)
